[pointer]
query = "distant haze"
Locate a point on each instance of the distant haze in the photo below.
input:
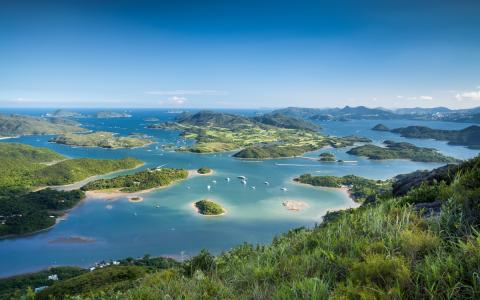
(239, 54)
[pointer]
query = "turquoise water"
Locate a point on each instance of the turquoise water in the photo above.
(166, 224)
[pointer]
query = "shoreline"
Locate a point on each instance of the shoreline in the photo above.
(343, 189)
(194, 173)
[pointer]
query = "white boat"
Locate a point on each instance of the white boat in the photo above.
(253, 187)
(214, 181)
(242, 177)
(267, 183)
(244, 181)
(208, 187)
(284, 189)
(227, 179)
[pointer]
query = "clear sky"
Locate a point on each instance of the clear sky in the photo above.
(239, 54)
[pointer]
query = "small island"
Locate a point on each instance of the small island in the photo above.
(111, 114)
(101, 139)
(401, 150)
(204, 171)
(209, 208)
(137, 182)
(327, 157)
(380, 127)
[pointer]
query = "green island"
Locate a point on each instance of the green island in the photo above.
(360, 189)
(16, 125)
(209, 208)
(401, 150)
(380, 127)
(469, 136)
(421, 244)
(101, 139)
(25, 209)
(220, 132)
(204, 170)
(139, 181)
(327, 157)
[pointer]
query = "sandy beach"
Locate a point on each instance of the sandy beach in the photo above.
(193, 173)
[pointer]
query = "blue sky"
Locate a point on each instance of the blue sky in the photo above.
(239, 54)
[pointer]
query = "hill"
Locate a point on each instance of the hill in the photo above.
(401, 150)
(469, 136)
(25, 168)
(424, 244)
(15, 125)
(284, 121)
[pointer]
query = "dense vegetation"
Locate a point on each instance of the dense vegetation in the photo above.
(218, 132)
(469, 136)
(360, 189)
(101, 139)
(391, 248)
(209, 208)
(204, 170)
(14, 125)
(25, 167)
(139, 181)
(23, 212)
(284, 121)
(401, 150)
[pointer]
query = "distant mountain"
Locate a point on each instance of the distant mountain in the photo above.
(421, 110)
(14, 125)
(469, 136)
(61, 113)
(338, 114)
(284, 121)
(302, 112)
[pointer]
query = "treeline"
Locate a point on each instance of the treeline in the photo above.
(139, 181)
(360, 189)
(23, 212)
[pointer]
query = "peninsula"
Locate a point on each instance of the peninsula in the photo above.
(17, 125)
(24, 206)
(140, 181)
(101, 139)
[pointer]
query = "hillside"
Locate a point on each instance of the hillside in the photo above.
(398, 248)
(469, 136)
(401, 150)
(26, 168)
(14, 125)
(100, 139)
(284, 121)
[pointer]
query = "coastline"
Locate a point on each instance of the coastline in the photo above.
(194, 173)
(343, 189)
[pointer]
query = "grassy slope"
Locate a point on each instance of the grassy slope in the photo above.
(383, 250)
